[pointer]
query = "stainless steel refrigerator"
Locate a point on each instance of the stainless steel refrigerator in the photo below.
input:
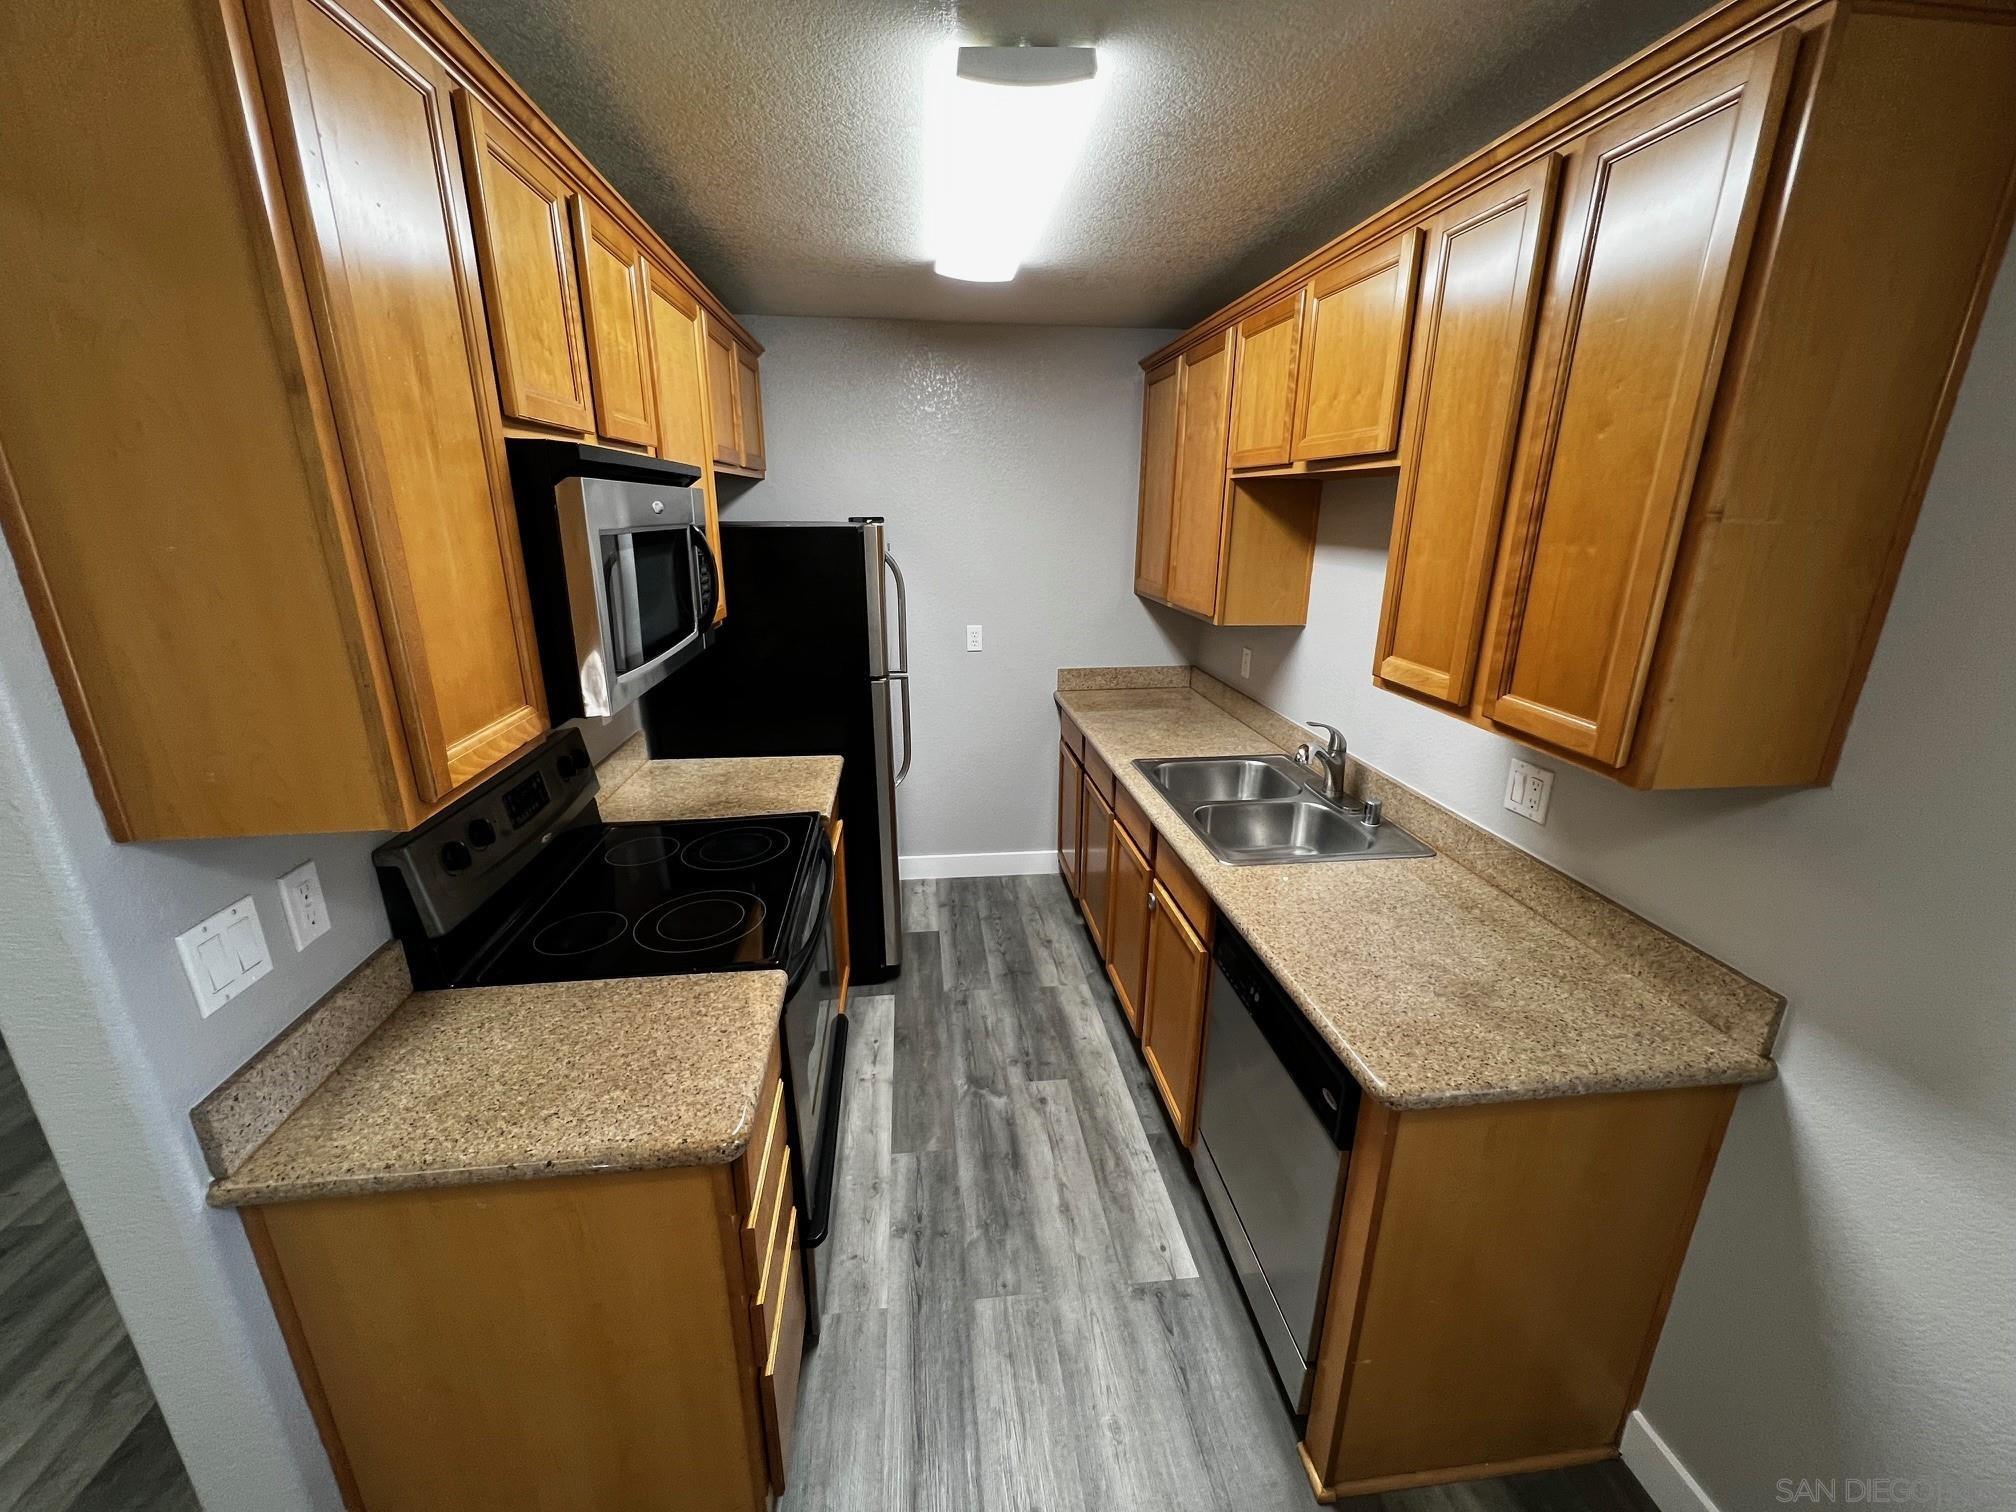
(813, 659)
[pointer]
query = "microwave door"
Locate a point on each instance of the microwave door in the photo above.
(626, 626)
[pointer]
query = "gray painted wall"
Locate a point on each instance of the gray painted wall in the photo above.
(1006, 459)
(1848, 1307)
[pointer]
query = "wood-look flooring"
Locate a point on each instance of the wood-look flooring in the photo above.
(1026, 1308)
(79, 1431)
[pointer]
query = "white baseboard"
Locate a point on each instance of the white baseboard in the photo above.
(979, 864)
(1659, 1470)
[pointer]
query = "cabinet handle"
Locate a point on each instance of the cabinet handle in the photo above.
(1151, 902)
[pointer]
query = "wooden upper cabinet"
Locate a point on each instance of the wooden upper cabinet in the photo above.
(1479, 290)
(1197, 513)
(1354, 353)
(749, 407)
(723, 389)
(1160, 398)
(681, 396)
(1659, 204)
(526, 246)
(394, 259)
(1263, 384)
(613, 275)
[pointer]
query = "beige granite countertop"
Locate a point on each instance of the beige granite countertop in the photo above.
(1436, 985)
(507, 1083)
(722, 787)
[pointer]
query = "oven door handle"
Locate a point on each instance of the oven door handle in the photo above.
(805, 953)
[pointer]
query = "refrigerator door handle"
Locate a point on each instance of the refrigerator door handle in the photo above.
(903, 679)
(902, 640)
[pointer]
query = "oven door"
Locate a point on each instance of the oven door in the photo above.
(641, 584)
(815, 1059)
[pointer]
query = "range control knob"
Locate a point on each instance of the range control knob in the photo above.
(455, 857)
(482, 833)
(570, 763)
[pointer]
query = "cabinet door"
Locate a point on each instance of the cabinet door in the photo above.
(1197, 520)
(1172, 1026)
(1127, 924)
(392, 263)
(612, 283)
(1354, 353)
(1095, 861)
(527, 250)
(1479, 290)
(722, 384)
(1070, 793)
(1263, 384)
(749, 407)
(681, 396)
(1658, 209)
(1158, 478)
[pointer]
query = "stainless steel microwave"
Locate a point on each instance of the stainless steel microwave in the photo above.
(624, 583)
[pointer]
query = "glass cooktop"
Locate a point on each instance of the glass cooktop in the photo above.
(663, 899)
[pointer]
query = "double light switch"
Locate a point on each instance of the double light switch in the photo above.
(224, 954)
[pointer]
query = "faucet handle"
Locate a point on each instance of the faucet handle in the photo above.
(1335, 745)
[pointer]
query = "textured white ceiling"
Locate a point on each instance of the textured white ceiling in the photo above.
(777, 143)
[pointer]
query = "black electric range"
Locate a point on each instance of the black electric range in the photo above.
(521, 881)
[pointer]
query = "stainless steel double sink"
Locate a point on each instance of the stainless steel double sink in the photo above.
(1257, 811)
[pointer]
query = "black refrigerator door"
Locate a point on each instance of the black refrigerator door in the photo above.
(793, 672)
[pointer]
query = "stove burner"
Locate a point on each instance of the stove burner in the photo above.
(577, 934)
(738, 849)
(645, 850)
(700, 921)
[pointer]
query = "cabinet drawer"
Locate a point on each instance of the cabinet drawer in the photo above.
(769, 1134)
(1183, 888)
(774, 1264)
(1134, 819)
(780, 1374)
(1070, 734)
(1099, 774)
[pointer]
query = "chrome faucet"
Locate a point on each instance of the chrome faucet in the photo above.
(1327, 760)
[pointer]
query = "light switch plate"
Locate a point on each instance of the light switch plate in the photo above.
(224, 954)
(1528, 788)
(1245, 661)
(301, 896)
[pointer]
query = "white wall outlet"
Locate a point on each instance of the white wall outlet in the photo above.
(224, 954)
(1245, 661)
(1528, 789)
(972, 637)
(301, 896)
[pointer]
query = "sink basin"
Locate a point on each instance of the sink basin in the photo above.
(1298, 829)
(1257, 811)
(1221, 779)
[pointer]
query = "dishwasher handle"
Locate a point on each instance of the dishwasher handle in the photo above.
(1322, 1078)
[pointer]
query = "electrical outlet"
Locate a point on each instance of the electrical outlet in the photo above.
(972, 637)
(1245, 661)
(301, 896)
(224, 954)
(1528, 789)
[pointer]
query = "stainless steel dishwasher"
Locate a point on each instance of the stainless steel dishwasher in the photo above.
(1273, 1137)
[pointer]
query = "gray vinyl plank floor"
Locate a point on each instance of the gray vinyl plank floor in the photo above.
(1027, 1307)
(79, 1431)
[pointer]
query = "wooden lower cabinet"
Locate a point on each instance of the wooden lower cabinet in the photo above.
(1127, 924)
(1095, 859)
(1070, 819)
(1431, 1366)
(1178, 985)
(576, 1342)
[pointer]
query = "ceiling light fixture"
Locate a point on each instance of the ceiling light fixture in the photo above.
(1003, 127)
